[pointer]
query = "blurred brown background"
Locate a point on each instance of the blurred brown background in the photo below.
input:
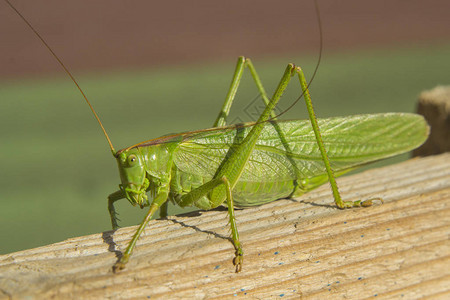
(92, 35)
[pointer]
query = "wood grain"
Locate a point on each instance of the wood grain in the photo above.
(295, 248)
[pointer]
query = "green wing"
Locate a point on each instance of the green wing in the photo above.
(350, 142)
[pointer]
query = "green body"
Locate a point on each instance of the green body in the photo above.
(187, 161)
(255, 163)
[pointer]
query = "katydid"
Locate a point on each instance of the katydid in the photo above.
(254, 163)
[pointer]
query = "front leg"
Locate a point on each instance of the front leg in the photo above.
(159, 200)
(112, 211)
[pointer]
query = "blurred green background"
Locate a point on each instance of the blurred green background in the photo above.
(56, 167)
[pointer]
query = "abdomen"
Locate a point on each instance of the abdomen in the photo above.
(245, 193)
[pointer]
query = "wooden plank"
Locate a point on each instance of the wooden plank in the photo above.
(293, 248)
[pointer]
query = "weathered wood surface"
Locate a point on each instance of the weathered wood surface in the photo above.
(293, 248)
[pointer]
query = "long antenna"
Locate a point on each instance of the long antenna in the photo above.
(319, 59)
(68, 73)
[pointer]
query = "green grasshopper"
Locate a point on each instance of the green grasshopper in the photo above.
(254, 163)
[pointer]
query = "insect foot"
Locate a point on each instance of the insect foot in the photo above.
(369, 202)
(360, 203)
(120, 265)
(238, 260)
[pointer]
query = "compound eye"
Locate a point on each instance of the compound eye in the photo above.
(132, 159)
